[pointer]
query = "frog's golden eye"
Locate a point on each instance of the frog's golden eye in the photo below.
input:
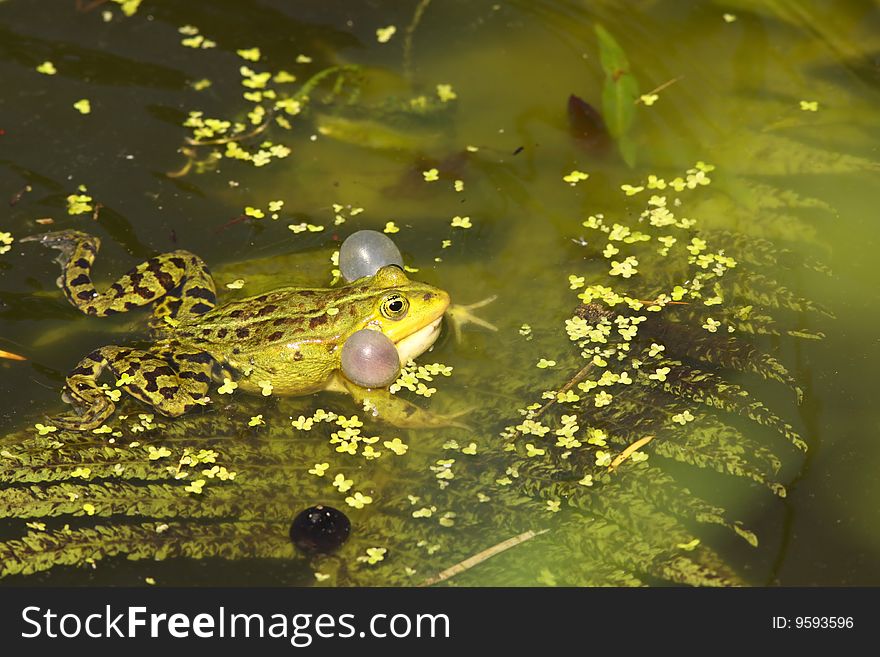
(394, 306)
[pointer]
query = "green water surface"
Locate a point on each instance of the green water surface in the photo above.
(735, 102)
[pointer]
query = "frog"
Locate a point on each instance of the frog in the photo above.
(289, 339)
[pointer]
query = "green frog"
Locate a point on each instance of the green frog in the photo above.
(288, 340)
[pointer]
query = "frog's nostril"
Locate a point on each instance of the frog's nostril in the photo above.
(428, 296)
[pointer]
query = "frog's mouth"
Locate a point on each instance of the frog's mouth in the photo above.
(415, 344)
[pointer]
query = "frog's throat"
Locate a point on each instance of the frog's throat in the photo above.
(415, 344)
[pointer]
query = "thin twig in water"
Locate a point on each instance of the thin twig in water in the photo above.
(19, 194)
(83, 6)
(625, 454)
(242, 136)
(232, 222)
(480, 557)
(577, 378)
(668, 83)
(312, 83)
(408, 38)
(185, 169)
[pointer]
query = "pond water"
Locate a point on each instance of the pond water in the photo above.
(777, 101)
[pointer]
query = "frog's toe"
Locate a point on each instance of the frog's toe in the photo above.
(89, 414)
(91, 419)
(64, 241)
(461, 315)
(56, 239)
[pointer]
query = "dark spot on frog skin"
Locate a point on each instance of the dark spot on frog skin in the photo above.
(200, 308)
(168, 392)
(320, 320)
(172, 306)
(266, 310)
(198, 357)
(82, 279)
(164, 279)
(143, 292)
(178, 262)
(222, 333)
(242, 332)
(277, 335)
(195, 376)
(152, 377)
(201, 293)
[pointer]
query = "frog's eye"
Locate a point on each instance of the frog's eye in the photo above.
(394, 306)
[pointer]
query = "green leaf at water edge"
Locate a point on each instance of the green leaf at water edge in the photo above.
(619, 93)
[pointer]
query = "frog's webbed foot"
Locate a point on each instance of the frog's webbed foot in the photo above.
(460, 315)
(91, 405)
(67, 242)
(91, 411)
(398, 411)
(63, 240)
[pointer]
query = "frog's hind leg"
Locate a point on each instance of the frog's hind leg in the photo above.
(147, 376)
(195, 295)
(180, 273)
(172, 383)
(90, 402)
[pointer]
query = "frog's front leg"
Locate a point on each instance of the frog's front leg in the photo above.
(179, 278)
(171, 383)
(396, 410)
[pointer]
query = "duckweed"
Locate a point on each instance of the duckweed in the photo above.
(384, 34)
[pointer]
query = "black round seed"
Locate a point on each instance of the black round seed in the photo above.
(320, 529)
